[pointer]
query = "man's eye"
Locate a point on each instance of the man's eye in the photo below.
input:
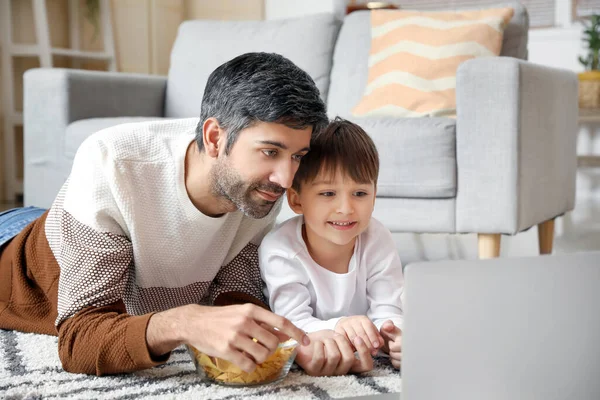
(327, 194)
(297, 157)
(270, 153)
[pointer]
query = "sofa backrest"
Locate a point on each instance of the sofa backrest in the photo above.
(201, 46)
(350, 69)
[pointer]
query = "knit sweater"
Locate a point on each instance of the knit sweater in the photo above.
(122, 241)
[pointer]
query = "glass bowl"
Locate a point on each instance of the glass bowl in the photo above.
(217, 370)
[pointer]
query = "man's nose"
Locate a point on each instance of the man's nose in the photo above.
(284, 174)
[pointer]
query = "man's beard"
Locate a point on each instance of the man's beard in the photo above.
(229, 185)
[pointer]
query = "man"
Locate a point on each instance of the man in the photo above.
(159, 222)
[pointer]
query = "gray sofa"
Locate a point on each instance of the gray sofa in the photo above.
(505, 164)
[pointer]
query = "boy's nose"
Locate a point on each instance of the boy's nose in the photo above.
(345, 205)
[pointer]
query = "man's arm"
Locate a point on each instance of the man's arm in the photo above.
(239, 281)
(225, 332)
(106, 340)
(89, 245)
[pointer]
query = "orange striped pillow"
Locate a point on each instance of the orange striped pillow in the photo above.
(414, 57)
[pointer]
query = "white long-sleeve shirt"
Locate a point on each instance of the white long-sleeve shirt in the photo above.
(314, 298)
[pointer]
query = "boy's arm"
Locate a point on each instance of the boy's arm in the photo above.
(385, 281)
(288, 293)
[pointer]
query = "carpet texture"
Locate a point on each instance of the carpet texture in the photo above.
(30, 369)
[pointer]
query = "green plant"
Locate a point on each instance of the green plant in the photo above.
(92, 14)
(591, 35)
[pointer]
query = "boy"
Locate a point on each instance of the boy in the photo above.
(334, 266)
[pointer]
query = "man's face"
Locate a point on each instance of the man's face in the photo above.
(260, 166)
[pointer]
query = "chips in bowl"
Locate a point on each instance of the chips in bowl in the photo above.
(217, 370)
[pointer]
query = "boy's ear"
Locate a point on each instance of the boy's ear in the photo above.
(293, 198)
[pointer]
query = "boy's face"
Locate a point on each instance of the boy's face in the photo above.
(260, 166)
(336, 209)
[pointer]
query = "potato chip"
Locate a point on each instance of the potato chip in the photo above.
(222, 371)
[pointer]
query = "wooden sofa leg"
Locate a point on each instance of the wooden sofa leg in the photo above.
(546, 236)
(489, 245)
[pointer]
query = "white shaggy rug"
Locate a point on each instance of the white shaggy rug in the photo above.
(30, 369)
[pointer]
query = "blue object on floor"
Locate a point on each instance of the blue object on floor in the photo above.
(14, 220)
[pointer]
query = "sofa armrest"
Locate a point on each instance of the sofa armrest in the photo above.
(515, 144)
(53, 98)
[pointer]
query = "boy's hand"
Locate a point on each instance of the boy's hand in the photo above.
(226, 332)
(330, 353)
(362, 327)
(392, 336)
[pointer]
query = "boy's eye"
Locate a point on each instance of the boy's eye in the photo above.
(360, 194)
(327, 194)
(270, 152)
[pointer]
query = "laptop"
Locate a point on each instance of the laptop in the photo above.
(509, 328)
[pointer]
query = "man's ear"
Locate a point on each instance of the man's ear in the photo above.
(293, 198)
(213, 137)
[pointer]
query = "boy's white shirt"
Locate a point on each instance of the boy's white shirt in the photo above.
(314, 298)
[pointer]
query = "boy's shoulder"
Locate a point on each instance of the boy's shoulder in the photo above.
(285, 237)
(376, 228)
(377, 234)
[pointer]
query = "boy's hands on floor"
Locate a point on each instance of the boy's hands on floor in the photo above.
(360, 326)
(392, 336)
(330, 353)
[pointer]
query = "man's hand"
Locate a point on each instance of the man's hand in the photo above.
(330, 353)
(224, 332)
(360, 326)
(392, 336)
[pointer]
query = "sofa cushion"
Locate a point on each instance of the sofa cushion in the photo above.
(78, 131)
(417, 156)
(201, 46)
(350, 68)
(414, 57)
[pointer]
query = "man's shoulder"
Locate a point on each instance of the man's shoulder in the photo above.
(140, 141)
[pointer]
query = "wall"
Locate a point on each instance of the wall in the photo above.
(144, 33)
(278, 9)
(560, 47)
(23, 32)
(145, 30)
(225, 9)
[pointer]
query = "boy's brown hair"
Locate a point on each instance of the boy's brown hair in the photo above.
(342, 147)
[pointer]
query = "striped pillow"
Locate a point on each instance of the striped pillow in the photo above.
(414, 57)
